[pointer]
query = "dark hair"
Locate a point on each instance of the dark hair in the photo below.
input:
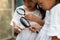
(43, 12)
(58, 1)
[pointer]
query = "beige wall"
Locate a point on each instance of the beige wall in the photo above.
(5, 18)
(5, 4)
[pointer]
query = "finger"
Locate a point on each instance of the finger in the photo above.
(26, 15)
(17, 30)
(39, 29)
(14, 24)
(33, 30)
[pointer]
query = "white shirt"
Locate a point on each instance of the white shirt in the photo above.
(16, 17)
(52, 21)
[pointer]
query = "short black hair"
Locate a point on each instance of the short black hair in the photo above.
(42, 11)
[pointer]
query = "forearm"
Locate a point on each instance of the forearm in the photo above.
(40, 21)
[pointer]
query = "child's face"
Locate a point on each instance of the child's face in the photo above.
(29, 4)
(46, 4)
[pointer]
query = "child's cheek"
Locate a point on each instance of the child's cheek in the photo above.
(46, 7)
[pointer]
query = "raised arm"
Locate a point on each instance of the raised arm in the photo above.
(34, 18)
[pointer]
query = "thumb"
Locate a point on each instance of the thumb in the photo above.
(14, 24)
(19, 30)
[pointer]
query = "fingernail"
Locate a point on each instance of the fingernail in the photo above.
(37, 32)
(19, 29)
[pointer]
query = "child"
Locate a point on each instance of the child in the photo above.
(30, 8)
(52, 20)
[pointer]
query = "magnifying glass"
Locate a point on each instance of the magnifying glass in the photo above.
(20, 11)
(23, 20)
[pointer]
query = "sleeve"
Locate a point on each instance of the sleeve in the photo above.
(54, 26)
(16, 19)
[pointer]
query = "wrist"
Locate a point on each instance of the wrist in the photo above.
(40, 21)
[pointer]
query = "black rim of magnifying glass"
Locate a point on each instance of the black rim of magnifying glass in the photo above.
(27, 21)
(22, 10)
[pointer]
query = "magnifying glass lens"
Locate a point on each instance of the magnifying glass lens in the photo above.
(20, 11)
(25, 22)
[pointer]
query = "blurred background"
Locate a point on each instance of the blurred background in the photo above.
(7, 8)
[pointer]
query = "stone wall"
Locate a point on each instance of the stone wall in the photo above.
(5, 18)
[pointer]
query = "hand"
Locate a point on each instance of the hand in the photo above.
(30, 17)
(16, 29)
(55, 38)
(35, 28)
